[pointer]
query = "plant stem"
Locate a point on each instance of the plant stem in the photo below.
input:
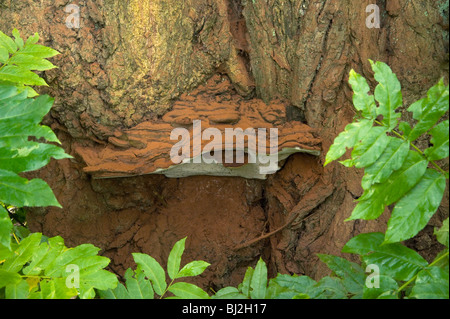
(415, 277)
(416, 148)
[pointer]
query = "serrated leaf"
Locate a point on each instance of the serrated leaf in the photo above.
(17, 38)
(352, 275)
(396, 261)
(4, 55)
(332, 288)
(387, 93)
(352, 134)
(23, 254)
(373, 202)
(193, 269)
(229, 293)
(391, 160)
(297, 284)
(9, 278)
(428, 111)
(44, 256)
(153, 271)
(174, 260)
(6, 227)
(17, 291)
(20, 75)
(371, 147)
(30, 62)
(38, 51)
(440, 149)
(442, 234)
(58, 266)
(362, 101)
(188, 291)
(139, 289)
(431, 283)
(413, 212)
(258, 284)
(20, 192)
(33, 39)
(364, 243)
(7, 43)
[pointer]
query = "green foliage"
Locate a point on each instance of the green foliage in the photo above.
(149, 278)
(24, 143)
(396, 171)
(39, 268)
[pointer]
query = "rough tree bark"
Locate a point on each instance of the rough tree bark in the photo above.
(130, 60)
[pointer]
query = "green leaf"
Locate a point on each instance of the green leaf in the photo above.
(428, 111)
(30, 62)
(6, 227)
(387, 93)
(442, 234)
(229, 293)
(174, 260)
(44, 256)
(153, 271)
(440, 149)
(31, 158)
(23, 254)
(19, 290)
(296, 285)
(7, 43)
(244, 287)
(4, 55)
(431, 283)
(20, 192)
(373, 202)
(258, 284)
(413, 212)
(371, 147)
(363, 244)
(193, 269)
(352, 275)
(18, 39)
(353, 133)
(361, 99)
(38, 51)
(391, 160)
(332, 288)
(9, 278)
(33, 39)
(20, 75)
(396, 261)
(187, 291)
(139, 287)
(77, 255)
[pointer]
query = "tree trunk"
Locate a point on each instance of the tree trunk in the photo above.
(131, 61)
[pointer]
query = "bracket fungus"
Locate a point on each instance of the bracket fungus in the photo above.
(222, 134)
